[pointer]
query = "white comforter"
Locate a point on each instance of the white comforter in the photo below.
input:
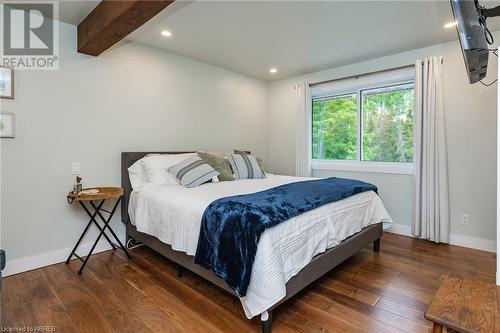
(173, 214)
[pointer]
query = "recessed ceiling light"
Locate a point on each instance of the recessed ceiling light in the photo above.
(166, 33)
(273, 71)
(450, 24)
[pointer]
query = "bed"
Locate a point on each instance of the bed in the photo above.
(290, 256)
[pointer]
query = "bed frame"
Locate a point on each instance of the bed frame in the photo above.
(320, 264)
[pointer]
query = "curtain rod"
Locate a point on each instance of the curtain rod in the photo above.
(364, 74)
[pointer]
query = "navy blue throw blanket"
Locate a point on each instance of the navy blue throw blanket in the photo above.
(231, 227)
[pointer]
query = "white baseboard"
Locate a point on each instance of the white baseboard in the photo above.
(459, 240)
(399, 229)
(49, 258)
(475, 243)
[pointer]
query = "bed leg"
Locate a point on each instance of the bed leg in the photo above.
(376, 245)
(180, 271)
(267, 325)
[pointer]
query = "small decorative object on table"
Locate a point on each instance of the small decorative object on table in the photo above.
(77, 188)
(96, 198)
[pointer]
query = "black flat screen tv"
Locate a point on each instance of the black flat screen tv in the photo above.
(472, 38)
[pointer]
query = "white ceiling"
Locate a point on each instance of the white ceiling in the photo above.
(296, 37)
(74, 11)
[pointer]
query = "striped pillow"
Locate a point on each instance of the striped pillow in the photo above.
(245, 167)
(193, 172)
(244, 152)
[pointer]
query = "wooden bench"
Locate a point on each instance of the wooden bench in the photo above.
(465, 305)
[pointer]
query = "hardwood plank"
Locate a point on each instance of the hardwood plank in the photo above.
(48, 309)
(223, 308)
(352, 292)
(383, 293)
(17, 310)
(87, 309)
(357, 319)
(486, 277)
(121, 283)
(113, 20)
(42, 308)
(369, 313)
(221, 297)
(402, 310)
(445, 250)
(301, 323)
(327, 321)
(166, 300)
(116, 309)
(367, 276)
(444, 261)
(386, 292)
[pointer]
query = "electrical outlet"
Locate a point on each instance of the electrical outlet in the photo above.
(75, 168)
(465, 219)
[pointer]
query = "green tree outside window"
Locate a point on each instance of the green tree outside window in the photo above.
(387, 125)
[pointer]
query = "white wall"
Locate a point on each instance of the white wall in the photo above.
(132, 98)
(136, 98)
(471, 136)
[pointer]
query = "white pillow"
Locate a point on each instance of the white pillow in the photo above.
(137, 176)
(153, 170)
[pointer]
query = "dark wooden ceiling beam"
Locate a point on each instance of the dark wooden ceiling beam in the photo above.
(113, 20)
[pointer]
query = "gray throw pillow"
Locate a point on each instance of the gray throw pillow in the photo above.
(193, 172)
(219, 163)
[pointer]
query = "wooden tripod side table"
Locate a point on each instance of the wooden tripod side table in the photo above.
(96, 202)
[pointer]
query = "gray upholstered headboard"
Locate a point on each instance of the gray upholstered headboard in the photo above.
(129, 158)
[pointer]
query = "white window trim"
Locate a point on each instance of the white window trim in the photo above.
(363, 166)
(358, 165)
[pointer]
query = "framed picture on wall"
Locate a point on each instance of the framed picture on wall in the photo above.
(7, 125)
(6, 83)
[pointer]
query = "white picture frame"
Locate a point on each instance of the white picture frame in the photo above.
(7, 125)
(6, 83)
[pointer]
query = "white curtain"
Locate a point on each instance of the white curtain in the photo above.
(303, 138)
(431, 220)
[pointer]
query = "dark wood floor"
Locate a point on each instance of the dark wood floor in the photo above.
(371, 292)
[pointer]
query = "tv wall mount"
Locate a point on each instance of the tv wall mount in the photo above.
(483, 14)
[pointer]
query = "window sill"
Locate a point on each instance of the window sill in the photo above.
(356, 166)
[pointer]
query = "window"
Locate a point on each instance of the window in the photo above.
(372, 124)
(335, 128)
(387, 124)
